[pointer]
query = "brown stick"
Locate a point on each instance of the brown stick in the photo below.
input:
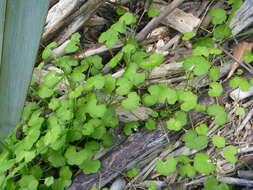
(156, 20)
(85, 7)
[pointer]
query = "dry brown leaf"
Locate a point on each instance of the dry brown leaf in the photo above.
(238, 54)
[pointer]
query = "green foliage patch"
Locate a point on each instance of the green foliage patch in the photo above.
(61, 135)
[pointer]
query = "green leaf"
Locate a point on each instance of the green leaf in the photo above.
(240, 111)
(236, 4)
(110, 83)
(47, 52)
(95, 110)
(150, 124)
(216, 89)
(132, 172)
(66, 63)
(65, 172)
(187, 170)
(166, 168)
(240, 82)
(61, 184)
(219, 15)
(99, 132)
(64, 114)
(189, 100)
(202, 165)
(92, 145)
(28, 182)
(176, 123)
(149, 100)
(202, 129)
(248, 56)
(36, 171)
(132, 75)
(215, 51)
(218, 141)
(28, 110)
(120, 11)
(130, 126)
(229, 154)
(214, 73)
(45, 92)
(200, 108)
(97, 82)
(129, 48)
(76, 158)
(166, 94)
(109, 119)
(153, 61)
(110, 37)
(204, 41)
(56, 159)
(219, 113)
(75, 37)
(76, 92)
(188, 35)
(89, 127)
(223, 186)
(128, 18)
(153, 12)
(51, 79)
(71, 47)
(31, 138)
(107, 140)
(194, 141)
(199, 64)
(159, 93)
(119, 27)
(124, 86)
(210, 184)
(49, 181)
(222, 31)
(90, 166)
(151, 185)
(183, 159)
(54, 104)
(201, 50)
(77, 76)
(239, 71)
(115, 60)
(132, 101)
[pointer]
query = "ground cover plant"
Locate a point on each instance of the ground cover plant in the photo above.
(71, 113)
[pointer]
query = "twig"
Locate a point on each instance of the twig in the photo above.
(245, 121)
(236, 181)
(156, 20)
(247, 67)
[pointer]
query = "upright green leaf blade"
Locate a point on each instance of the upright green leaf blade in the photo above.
(23, 26)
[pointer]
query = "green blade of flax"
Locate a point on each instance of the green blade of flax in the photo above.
(23, 24)
(2, 16)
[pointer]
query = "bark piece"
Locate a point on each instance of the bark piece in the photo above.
(238, 95)
(156, 20)
(118, 184)
(57, 14)
(181, 21)
(140, 113)
(79, 18)
(243, 17)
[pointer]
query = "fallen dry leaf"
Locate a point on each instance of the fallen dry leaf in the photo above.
(238, 51)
